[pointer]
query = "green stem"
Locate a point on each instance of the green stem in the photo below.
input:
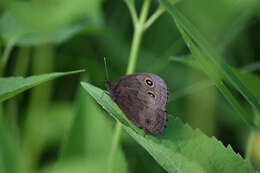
(131, 7)
(144, 11)
(22, 61)
(1, 111)
(1, 44)
(1, 105)
(3, 62)
(134, 51)
(154, 17)
(137, 38)
(138, 34)
(115, 145)
(6, 55)
(42, 63)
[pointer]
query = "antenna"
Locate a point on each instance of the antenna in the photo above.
(105, 61)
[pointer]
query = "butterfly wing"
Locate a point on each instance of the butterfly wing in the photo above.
(132, 95)
(124, 92)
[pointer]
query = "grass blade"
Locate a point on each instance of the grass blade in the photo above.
(211, 62)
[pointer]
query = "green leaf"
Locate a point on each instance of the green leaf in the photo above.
(91, 136)
(212, 64)
(28, 24)
(209, 53)
(12, 86)
(180, 148)
(252, 80)
(215, 76)
(9, 151)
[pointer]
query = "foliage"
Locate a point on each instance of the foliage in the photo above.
(206, 51)
(179, 148)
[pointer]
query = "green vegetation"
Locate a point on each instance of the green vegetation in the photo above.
(54, 115)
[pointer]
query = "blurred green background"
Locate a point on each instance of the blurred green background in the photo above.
(45, 36)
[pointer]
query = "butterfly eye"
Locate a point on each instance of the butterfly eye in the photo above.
(150, 93)
(149, 82)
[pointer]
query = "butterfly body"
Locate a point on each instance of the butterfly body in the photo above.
(142, 97)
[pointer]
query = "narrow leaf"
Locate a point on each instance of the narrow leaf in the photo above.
(208, 53)
(252, 80)
(215, 76)
(12, 86)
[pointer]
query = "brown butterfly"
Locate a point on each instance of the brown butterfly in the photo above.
(142, 97)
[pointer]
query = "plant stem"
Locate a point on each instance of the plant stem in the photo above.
(42, 60)
(115, 145)
(1, 111)
(6, 55)
(131, 7)
(144, 11)
(138, 34)
(134, 50)
(1, 105)
(136, 42)
(153, 18)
